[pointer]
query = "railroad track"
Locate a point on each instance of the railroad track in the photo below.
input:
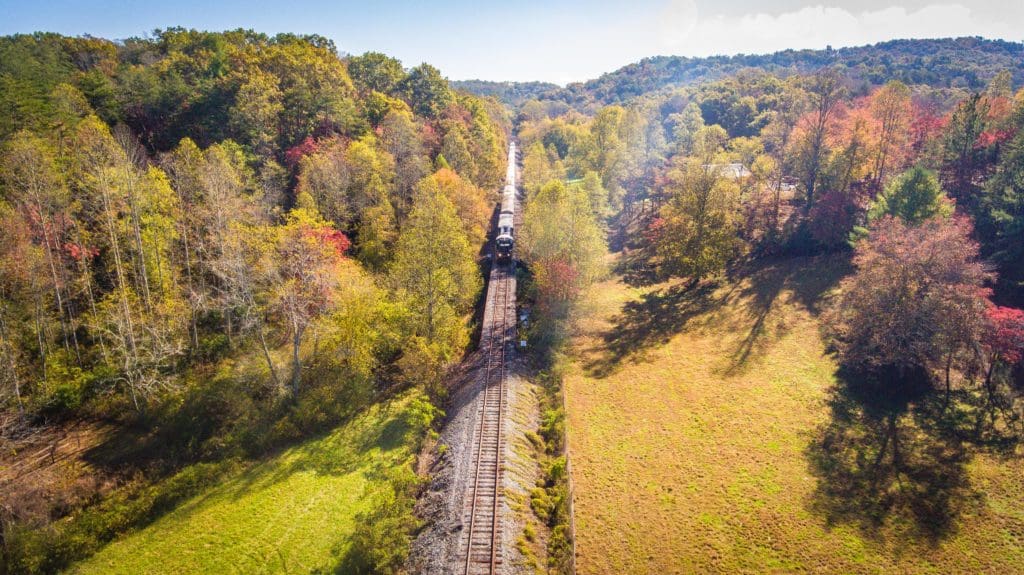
(483, 538)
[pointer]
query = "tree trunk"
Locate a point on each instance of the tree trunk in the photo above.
(266, 355)
(296, 365)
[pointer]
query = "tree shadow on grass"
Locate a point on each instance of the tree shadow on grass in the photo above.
(335, 453)
(754, 290)
(889, 461)
(650, 322)
(805, 281)
(636, 269)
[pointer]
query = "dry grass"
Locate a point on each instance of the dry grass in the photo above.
(692, 420)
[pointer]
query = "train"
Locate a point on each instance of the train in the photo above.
(505, 242)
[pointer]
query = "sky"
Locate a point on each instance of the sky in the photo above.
(550, 40)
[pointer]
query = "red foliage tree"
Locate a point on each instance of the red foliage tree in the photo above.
(917, 299)
(1005, 334)
(293, 155)
(834, 216)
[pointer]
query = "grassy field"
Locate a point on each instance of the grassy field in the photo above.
(710, 432)
(290, 514)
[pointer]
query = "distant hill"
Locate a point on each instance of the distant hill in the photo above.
(953, 63)
(510, 93)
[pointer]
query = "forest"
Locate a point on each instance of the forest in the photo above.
(218, 243)
(216, 247)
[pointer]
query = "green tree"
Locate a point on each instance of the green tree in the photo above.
(437, 294)
(376, 72)
(254, 117)
(697, 234)
(962, 157)
(426, 91)
(914, 197)
(1001, 222)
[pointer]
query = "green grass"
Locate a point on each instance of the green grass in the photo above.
(691, 418)
(294, 512)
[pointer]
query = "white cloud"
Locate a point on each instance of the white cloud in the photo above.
(685, 33)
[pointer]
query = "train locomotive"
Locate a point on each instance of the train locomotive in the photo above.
(504, 243)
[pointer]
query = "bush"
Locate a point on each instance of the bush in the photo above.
(213, 347)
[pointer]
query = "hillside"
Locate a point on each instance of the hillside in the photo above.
(941, 63)
(211, 243)
(512, 94)
(296, 511)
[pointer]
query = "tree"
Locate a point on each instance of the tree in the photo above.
(825, 91)
(962, 157)
(426, 91)
(562, 243)
(455, 149)
(29, 172)
(1001, 217)
(916, 298)
(372, 173)
(23, 321)
(254, 117)
(376, 233)
(914, 197)
(142, 318)
(326, 176)
(309, 257)
(890, 107)
(697, 233)
(436, 294)
(376, 72)
(400, 137)
(685, 126)
(470, 204)
(537, 168)
(1005, 336)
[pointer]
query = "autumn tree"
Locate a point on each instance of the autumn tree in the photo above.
(326, 176)
(1003, 339)
(29, 172)
(697, 233)
(309, 256)
(890, 107)
(916, 298)
(142, 318)
(470, 203)
(562, 242)
(400, 137)
(538, 168)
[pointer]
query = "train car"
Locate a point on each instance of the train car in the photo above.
(505, 241)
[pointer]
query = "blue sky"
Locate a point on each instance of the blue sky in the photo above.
(554, 40)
